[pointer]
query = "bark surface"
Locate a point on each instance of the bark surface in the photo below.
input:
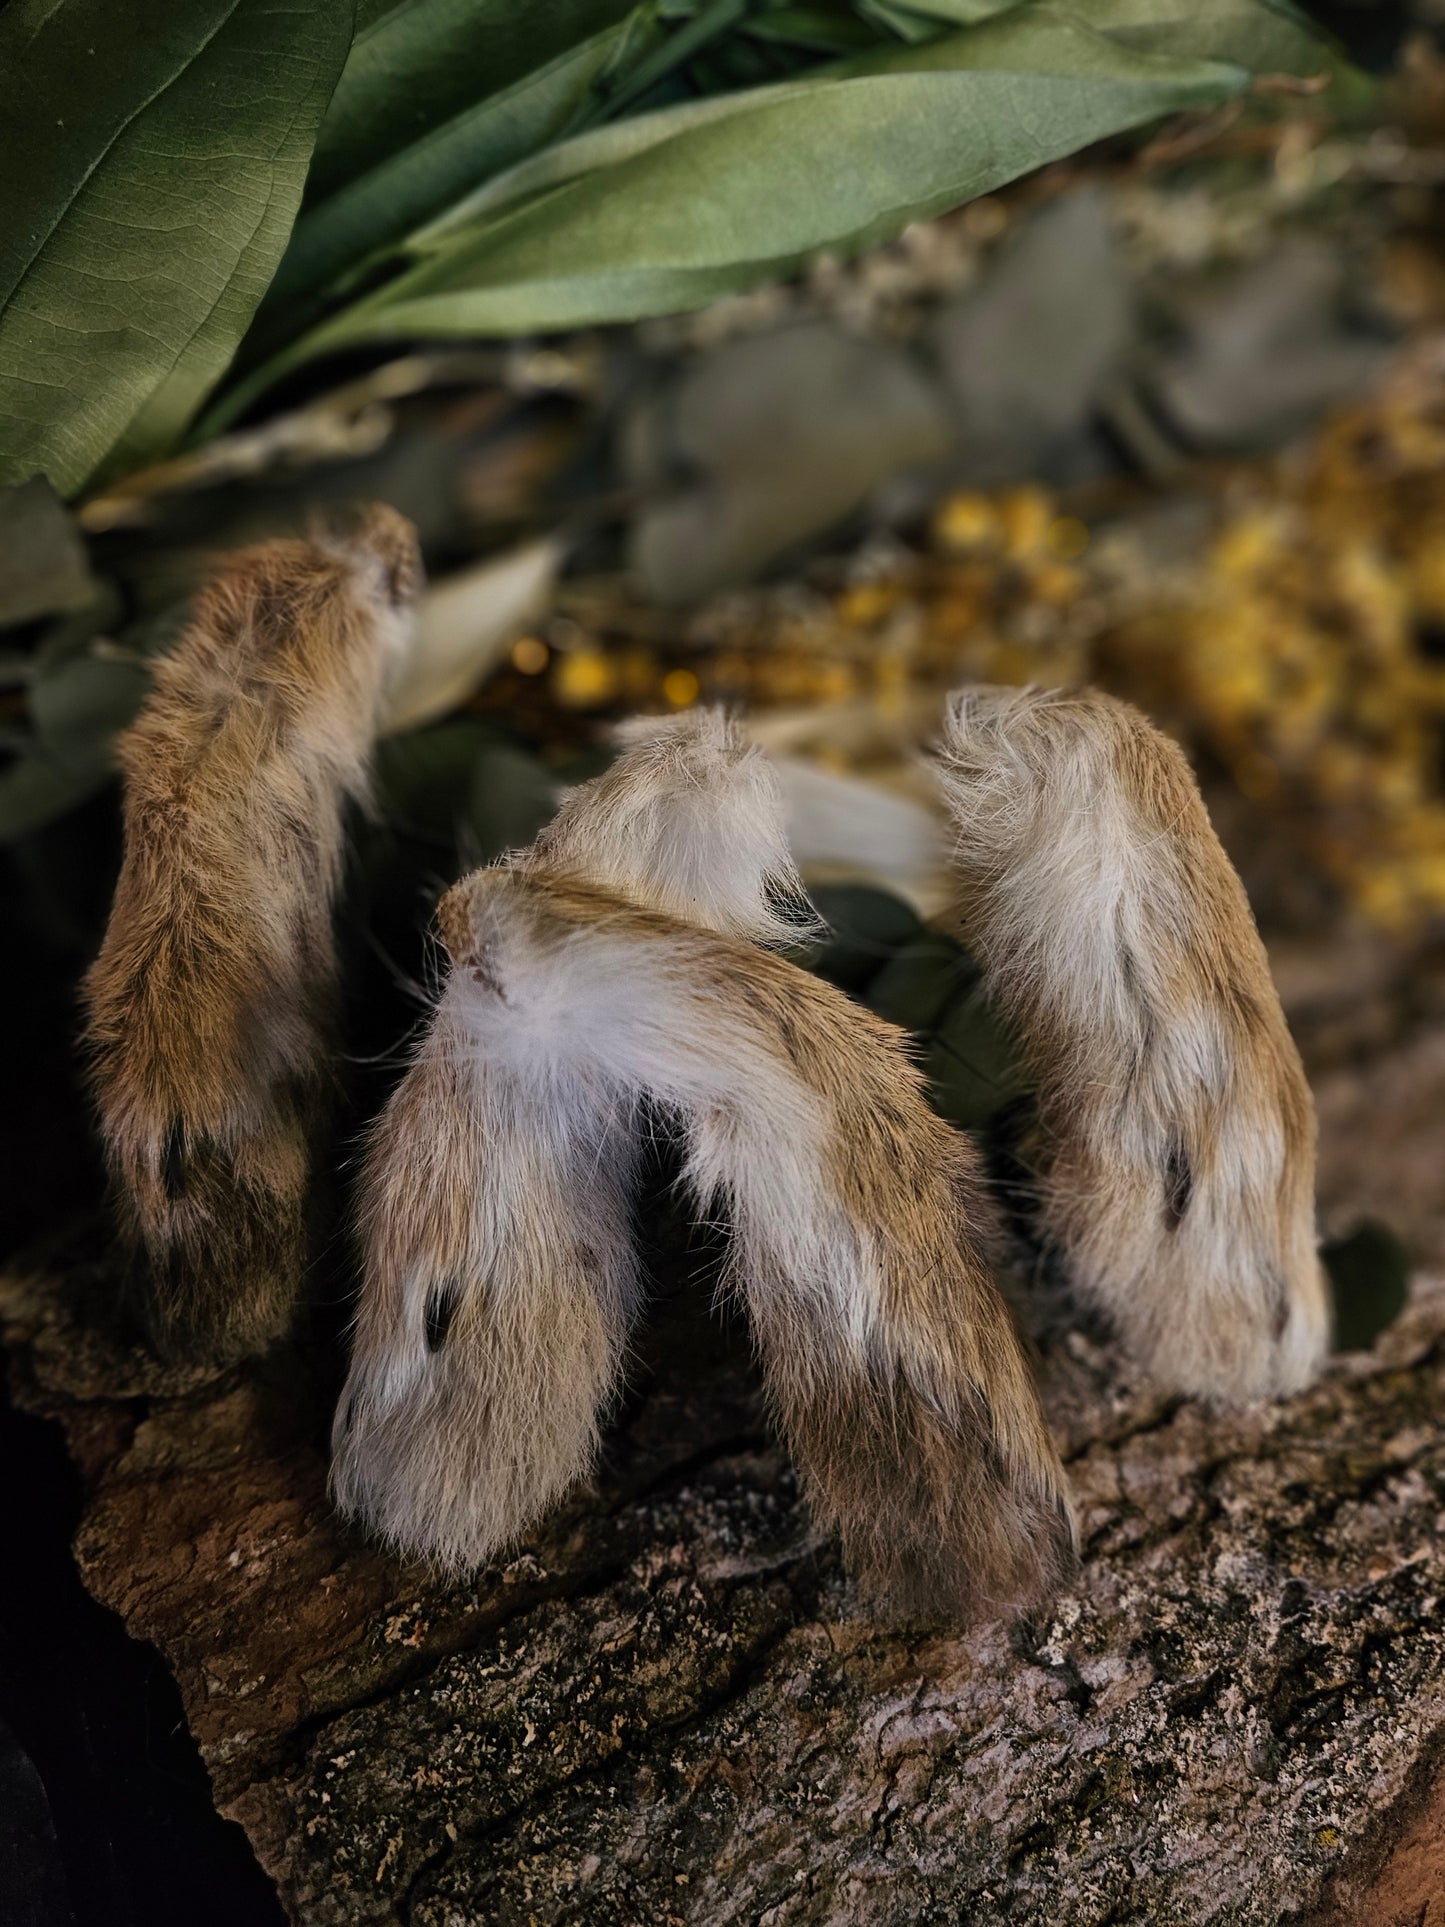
(669, 1707)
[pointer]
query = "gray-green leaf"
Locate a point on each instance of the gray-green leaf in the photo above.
(424, 62)
(162, 151)
(1369, 1273)
(44, 568)
(409, 188)
(666, 210)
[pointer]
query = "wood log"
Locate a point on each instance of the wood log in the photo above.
(669, 1707)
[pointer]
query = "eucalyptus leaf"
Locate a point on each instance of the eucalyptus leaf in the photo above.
(415, 184)
(44, 569)
(168, 146)
(35, 789)
(418, 65)
(866, 926)
(79, 708)
(611, 225)
(1369, 1273)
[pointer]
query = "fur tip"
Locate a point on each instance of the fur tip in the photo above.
(1175, 1141)
(689, 819)
(208, 1023)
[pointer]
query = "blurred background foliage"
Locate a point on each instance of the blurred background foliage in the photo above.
(812, 359)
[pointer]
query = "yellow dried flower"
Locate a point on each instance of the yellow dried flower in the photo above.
(680, 687)
(585, 679)
(967, 521)
(1027, 516)
(867, 603)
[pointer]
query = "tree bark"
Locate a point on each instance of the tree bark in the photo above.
(670, 1708)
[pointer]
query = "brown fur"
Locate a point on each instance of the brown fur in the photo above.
(207, 1008)
(890, 1357)
(1175, 1135)
(499, 1285)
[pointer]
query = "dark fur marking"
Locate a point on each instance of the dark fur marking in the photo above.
(484, 975)
(1178, 1186)
(173, 1163)
(1279, 1299)
(441, 1308)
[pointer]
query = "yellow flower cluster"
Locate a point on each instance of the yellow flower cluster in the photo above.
(992, 598)
(1300, 646)
(1308, 653)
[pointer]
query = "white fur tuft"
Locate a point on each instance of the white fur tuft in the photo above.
(690, 819)
(1175, 1137)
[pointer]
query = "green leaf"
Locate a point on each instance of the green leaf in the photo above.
(464, 787)
(866, 927)
(423, 63)
(163, 151)
(973, 1062)
(369, 214)
(79, 707)
(35, 790)
(933, 988)
(1369, 1273)
(920, 19)
(1266, 36)
(61, 107)
(919, 984)
(511, 796)
(43, 564)
(617, 223)
(841, 32)
(422, 781)
(449, 797)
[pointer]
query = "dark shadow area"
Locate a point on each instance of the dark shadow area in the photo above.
(98, 1736)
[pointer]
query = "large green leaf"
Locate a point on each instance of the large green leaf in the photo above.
(61, 107)
(409, 188)
(1039, 37)
(666, 210)
(1267, 36)
(162, 152)
(920, 19)
(442, 96)
(420, 64)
